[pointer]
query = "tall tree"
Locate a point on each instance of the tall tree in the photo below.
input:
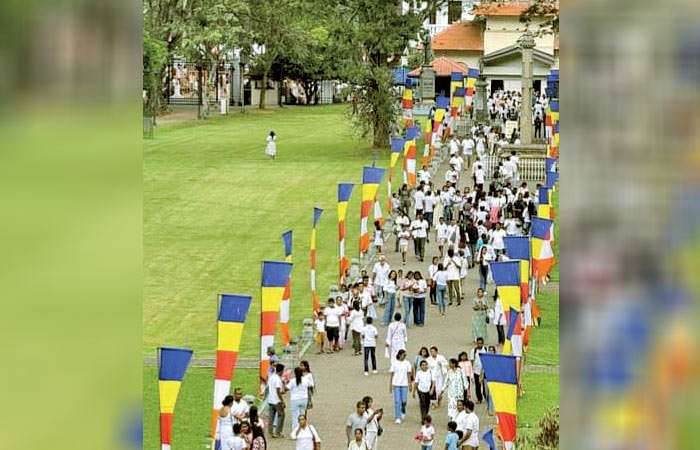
(210, 32)
(375, 34)
(276, 29)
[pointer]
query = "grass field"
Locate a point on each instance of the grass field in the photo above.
(215, 207)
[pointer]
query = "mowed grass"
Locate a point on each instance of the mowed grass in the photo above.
(193, 409)
(541, 394)
(215, 207)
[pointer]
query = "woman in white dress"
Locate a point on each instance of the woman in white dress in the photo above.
(271, 149)
(224, 430)
(396, 337)
(438, 367)
(305, 435)
(372, 429)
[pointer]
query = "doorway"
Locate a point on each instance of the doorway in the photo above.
(496, 85)
(537, 86)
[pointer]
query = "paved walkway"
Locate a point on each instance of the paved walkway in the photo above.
(341, 383)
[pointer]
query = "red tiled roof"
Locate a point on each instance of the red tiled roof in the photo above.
(443, 67)
(512, 8)
(459, 36)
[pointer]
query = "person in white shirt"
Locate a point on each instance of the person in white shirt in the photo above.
(424, 175)
(369, 343)
(225, 420)
(357, 323)
(424, 385)
(451, 175)
(236, 441)
(427, 432)
(453, 265)
(479, 177)
(479, 382)
(332, 314)
(470, 422)
(497, 239)
(396, 337)
(298, 388)
(418, 196)
(468, 149)
(373, 418)
(305, 435)
(239, 408)
(438, 367)
(380, 277)
(432, 270)
(462, 421)
(400, 382)
(515, 165)
(276, 389)
(419, 228)
(457, 162)
(440, 286)
(442, 235)
(403, 236)
(480, 146)
(428, 207)
(454, 146)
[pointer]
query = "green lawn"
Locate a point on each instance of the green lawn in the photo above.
(541, 394)
(215, 207)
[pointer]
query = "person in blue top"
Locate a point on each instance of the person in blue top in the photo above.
(453, 436)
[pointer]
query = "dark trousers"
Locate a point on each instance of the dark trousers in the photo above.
(420, 247)
(501, 334)
(424, 401)
(419, 310)
(356, 341)
(370, 352)
(479, 387)
(429, 217)
(433, 291)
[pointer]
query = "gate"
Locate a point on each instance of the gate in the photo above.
(530, 168)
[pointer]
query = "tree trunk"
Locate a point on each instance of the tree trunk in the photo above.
(263, 90)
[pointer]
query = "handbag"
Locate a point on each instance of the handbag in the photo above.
(380, 430)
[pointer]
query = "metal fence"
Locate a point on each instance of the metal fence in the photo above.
(530, 168)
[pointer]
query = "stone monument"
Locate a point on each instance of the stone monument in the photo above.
(526, 42)
(480, 104)
(427, 74)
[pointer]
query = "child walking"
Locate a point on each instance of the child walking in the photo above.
(427, 432)
(320, 337)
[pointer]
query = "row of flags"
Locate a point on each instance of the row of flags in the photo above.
(529, 261)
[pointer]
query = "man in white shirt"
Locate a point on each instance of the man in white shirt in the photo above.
(457, 162)
(428, 208)
(418, 196)
(236, 442)
(419, 228)
(276, 389)
(497, 239)
(369, 343)
(468, 149)
(454, 146)
(453, 266)
(424, 175)
(479, 383)
(240, 407)
(332, 313)
(479, 177)
(452, 175)
(380, 277)
(470, 422)
(515, 164)
(462, 421)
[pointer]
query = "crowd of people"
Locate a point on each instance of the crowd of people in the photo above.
(468, 221)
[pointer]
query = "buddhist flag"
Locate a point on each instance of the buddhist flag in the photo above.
(456, 92)
(371, 177)
(397, 145)
(514, 339)
(315, 301)
(550, 165)
(233, 310)
(472, 76)
(284, 307)
(344, 193)
(407, 99)
(378, 217)
(541, 242)
(544, 203)
(442, 102)
(488, 438)
(551, 179)
(506, 276)
(427, 130)
(410, 154)
(439, 117)
(172, 365)
(275, 275)
(501, 375)
(518, 248)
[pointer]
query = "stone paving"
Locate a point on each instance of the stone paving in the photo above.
(341, 382)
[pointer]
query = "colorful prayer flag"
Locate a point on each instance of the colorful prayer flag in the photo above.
(172, 365)
(344, 193)
(315, 301)
(371, 177)
(501, 376)
(233, 310)
(284, 307)
(542, 254)
(275, 275)
(506, 276)
(488, 438)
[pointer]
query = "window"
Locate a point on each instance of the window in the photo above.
(454, 11)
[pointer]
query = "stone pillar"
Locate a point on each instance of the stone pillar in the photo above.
(480, 107)
(527, 43)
